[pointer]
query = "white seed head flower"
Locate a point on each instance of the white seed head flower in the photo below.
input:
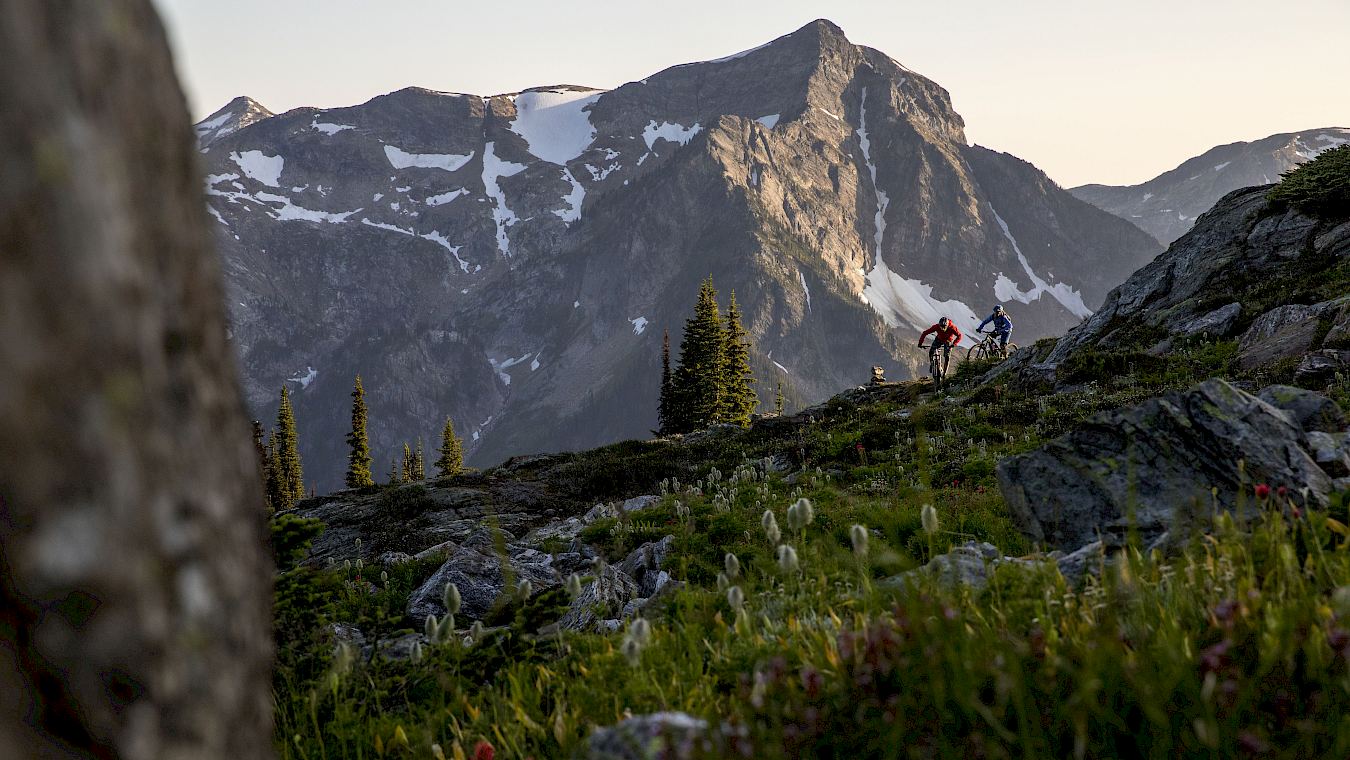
(384, 577)
(431, 628)
(417, 651)
(733, 566)
(640, 630)
(476, 630)
(859, 536)
(360, 563)
(805, 513)
(787, 559)
(524, 589)
(574, 585)
(928, 516)
(722, 582)
(451, 598)
(358, 544)
(736, 598)
(632, 651)
(770, 524)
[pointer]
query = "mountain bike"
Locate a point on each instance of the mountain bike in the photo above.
(937, 366)
(989, 348)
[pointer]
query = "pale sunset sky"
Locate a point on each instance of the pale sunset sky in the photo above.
(1089, 91)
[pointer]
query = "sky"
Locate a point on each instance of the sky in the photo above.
(1088, 90)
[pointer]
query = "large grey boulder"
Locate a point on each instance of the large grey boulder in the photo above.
(1319, 368)
(481, 578)
(663, 734)
(1283, 332)
(646, 566)
(1151, 467)
(602, 598)
(135, 589)
(1310, 409)
(1216, 324)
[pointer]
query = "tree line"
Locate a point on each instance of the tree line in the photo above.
(283, 475)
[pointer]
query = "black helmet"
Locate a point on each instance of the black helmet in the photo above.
(944, 322)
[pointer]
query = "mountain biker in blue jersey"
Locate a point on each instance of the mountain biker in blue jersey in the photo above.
(1002, 326)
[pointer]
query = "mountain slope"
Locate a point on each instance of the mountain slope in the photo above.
(512, 260)
(1167, 205)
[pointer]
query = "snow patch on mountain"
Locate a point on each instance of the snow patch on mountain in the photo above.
(304, 378)
(669, 131)
(494, 169)
(1006, 290)
(327, 128)
(769, 121)
(260, 167)
(801, 276)
(500, 367)
(444, 198)
(400, 159)
(555, 123)
(902, 302)
(639, 324)
(287, 211)
(573, 199)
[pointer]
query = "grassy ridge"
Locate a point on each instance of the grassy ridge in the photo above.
(1238, 647)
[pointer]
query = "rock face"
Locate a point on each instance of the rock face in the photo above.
(1150, 469)
(511, 261)
(1168, 205)
(134, 591)
(1241, 241)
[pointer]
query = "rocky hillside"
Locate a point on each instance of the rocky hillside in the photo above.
(1167, 205)
(512, 260)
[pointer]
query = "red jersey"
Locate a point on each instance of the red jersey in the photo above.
(951, 335)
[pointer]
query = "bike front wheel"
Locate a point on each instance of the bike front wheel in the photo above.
(975, 352)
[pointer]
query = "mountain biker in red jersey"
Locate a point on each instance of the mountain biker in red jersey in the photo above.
(945, 335)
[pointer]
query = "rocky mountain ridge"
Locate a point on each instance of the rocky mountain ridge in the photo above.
(511, 261)
(1168, 205)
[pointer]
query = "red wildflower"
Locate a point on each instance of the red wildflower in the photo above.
(483, 751)
(860, 447)
(1262, 491)
(1282, 491)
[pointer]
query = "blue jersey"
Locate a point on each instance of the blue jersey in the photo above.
(1001, 323)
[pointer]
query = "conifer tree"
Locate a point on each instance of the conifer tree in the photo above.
(665, 407)
(275, 501)
(778, 401)
(737, 397)
(289, 472)
(260, 450)
(359, 460)
(407, 463)
(452, 451)
(698, 380)
(395, 473)
(419, 468)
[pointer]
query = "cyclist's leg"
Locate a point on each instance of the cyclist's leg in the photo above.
(1003, 340)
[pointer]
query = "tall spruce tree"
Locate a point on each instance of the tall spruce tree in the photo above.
(778, 400)
(260, 449)
(359, 459)
(407, 463)
(290, 475)
(698, 379)
(395, 472)
(452, 451)
(419, 468)
(665, 406)
(272, 490)
(737, 397)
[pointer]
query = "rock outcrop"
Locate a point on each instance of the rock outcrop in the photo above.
(134, 583)
(1159, 470)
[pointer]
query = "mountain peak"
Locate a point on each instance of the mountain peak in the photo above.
(230, 118)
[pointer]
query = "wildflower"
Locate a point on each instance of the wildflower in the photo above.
(417, 651)
(640, 630)
(524, 589)
(573, 585)
(859, 536)
(787, 559)
(1283, 491)
(358, 544)
(722, 582)
(445, 629)
(1262, 491)
(928, 516)
(451, 598)
(800, 515)
(733, 566)
(476, 630)
(384, 577)
(736, 598)
(347, 566)
(632, 651)
(430, 628)
(770, 524)
(483, 751)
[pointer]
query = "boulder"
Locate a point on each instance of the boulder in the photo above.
(602, 598)
(480, 580)
(1331, 452)
(663, 734)
(645, 566)
(1320, 368)
(1216, 324)
(1151, 468)
(970, 564)
(1310, 409)
(1284, 332)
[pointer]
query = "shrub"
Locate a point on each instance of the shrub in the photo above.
(1318, 188)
